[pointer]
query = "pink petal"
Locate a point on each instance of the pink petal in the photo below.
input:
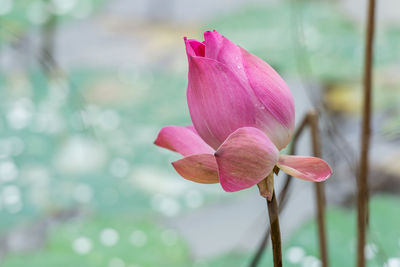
(245, 158)
(194, 47)
(224, 51)
(306, 168)
(182, 140)
(218, 101)
(275, 114)
(266, 96)
(191, 127)
(214, 44)
(275, 105)
(200, 168)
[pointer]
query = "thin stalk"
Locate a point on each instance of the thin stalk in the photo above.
(362, 197)
(282, 196)
(48, 32)
(319, 191)
(273, 214)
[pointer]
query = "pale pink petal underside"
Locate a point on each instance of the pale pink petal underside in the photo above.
(201, 168)
(306, 168)
(182, 140)
(245, 158)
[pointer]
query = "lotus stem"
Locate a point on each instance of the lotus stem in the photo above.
(282, 196)
(362, 196)
(273, 214)
(310, 119)
(319, 190)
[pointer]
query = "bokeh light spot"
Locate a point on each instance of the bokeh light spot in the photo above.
(109, 237)
(82, 245)
(295, 254)
(138, 238)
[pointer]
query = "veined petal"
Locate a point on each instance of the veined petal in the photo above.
(306, 168)
(200, 168)
(194, 47)
(182, 140)
(218, 102)
(224, 51)
(214, 44)
(245, 158)
(275, 114)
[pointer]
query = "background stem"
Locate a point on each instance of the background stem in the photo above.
(48, 33)
(362, 197)
(319, 190)
(273, 213)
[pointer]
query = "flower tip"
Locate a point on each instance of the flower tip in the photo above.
(327, 176)
(174, 164)
(210, 34)
(324, 178)
(213, 32)
(157, 141)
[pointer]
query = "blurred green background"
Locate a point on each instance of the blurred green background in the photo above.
(86, 85)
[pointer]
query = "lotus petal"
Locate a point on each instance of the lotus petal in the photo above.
(305, 168)
(200, 168)
(245, 158)
(182, 140)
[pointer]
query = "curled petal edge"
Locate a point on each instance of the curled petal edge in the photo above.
(200, 168)
(305, 168)
(183, 140)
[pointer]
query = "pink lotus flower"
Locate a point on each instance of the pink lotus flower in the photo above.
(243, 115)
